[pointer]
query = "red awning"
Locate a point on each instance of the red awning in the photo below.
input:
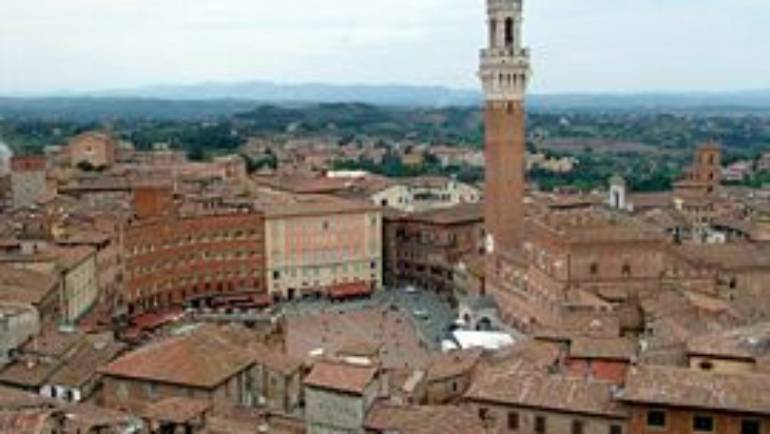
(345, 290)
(154, 320)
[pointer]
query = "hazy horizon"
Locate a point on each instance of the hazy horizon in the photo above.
(592, 46)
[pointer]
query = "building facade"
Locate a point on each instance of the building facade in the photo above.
(28, 180)
(322, 247)
(171, 260)
(338, 397)
(92, 148)
(424, 194)
(424, 249)
(18, 323)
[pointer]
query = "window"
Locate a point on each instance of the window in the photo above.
(508, 32)
(483, 413)
(656, 419)
(627, 269)
(513, 421)
(578, 427)
(751, 426)
(702, 423)
(616, 429)
(540, 424)
(594, 268)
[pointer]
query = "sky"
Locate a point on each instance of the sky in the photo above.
(49, 46)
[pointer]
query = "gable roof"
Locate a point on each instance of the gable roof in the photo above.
(691, 388)
(201, 359)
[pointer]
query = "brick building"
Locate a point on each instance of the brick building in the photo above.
(338, 397)
(94, 148)
(666, 400)
(172, 259)
(576, 258)
(513, 398)
(424, 249)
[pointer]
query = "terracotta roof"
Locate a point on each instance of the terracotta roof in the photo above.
(89, 418)
(520, 385)
(386, 418)
(27, 422)
(751, 343)
(28, 280)
(463, 213)
(342, 377)
(603, 348)
(308, 205)
(691, 388)
(81, 366)
(730, 256)
(452, 364)
(14, 399)
(176, 410)
(199, 359)
(273, 358)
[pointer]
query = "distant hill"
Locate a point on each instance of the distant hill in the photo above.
(208, 100)
(431, 96)
(401, 95)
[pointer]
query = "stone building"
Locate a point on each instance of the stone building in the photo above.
(28, 180)
(338, 397)
(424, 194)
(200, 365)
(38, 289)
(423, 249)
(665, 400)
(322, 246)
(93, 148)
(18, 323)
(75, 268)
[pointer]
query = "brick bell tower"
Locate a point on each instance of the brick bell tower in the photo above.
(504, 73)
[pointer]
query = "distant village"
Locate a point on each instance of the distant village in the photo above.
(142, 292)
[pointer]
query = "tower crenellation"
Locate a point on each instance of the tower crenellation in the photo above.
(505, 65)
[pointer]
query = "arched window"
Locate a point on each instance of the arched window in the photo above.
(508, 32)
(493, 33)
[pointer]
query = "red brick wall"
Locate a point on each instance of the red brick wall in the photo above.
(170, 260)
(152, 201)
(24, 163)
(504, 182)
(681, 421)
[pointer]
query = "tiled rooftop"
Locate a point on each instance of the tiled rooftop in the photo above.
(682, 387)
(201, 359)
(343, 377)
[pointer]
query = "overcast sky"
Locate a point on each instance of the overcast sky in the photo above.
(578, 45)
